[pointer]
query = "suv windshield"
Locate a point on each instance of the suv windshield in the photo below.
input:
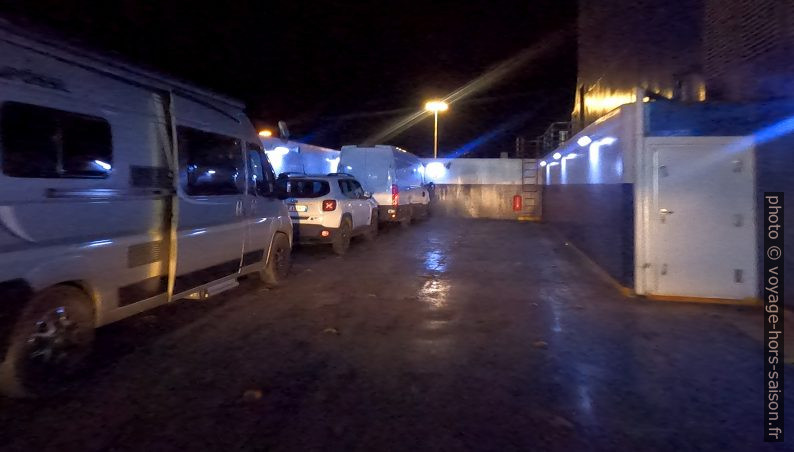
(305, 188)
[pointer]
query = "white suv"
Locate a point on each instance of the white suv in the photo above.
(329, 209)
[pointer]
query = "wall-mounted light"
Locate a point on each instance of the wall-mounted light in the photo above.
(557, 155)
(584, 140)
(435, 170)
(542, 163)
(607, 140)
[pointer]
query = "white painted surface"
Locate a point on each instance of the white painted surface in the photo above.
(300, 158)
(379, 168)
(478, 171)
(606, 156)
(707, 185)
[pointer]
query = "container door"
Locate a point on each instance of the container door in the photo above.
(702, 219)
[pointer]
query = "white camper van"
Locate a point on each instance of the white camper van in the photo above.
(393, 176)
(120, 190)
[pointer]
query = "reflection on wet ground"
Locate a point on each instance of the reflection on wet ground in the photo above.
(435, 260)
(450, 335)
(434, 293)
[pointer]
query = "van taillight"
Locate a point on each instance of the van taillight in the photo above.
(395, 195)
(329, 205)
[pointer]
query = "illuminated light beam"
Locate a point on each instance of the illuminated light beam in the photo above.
(492, 76)
(502, 128)
(763, 135)
(775, 130)
(396, 128)
(506, 67)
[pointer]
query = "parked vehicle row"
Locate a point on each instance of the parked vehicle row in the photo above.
(122, 190)
(378, 184)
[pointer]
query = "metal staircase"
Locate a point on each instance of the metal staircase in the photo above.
(530, 191)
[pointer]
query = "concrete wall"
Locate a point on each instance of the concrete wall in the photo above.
(599, 220)
(475, 201)
(481, 188)
(476, 171)
(588, 193)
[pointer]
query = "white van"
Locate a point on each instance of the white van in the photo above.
(393, 176)
(120, 190)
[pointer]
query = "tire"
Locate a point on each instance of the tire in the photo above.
(342, 241)
(49, 343)
(405, 222)
(424, 212)
(372, 233)
(278, 262)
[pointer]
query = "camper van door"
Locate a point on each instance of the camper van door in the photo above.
(262, 208)
(212, 224)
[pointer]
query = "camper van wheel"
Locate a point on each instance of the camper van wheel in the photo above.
(278, 263)
(342, 241)
(49, 343)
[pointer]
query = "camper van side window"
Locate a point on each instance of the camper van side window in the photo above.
(262, 181)
(43, 142)
(211, 164)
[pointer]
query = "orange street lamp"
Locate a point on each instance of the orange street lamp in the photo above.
(436, 106)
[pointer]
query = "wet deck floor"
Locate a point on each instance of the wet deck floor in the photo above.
(450, 335)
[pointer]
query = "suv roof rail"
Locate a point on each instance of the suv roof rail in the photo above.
(340, 174)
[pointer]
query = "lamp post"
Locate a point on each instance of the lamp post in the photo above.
(436, 106)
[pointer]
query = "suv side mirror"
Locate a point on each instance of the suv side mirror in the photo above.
(367, 195)
(279, 191)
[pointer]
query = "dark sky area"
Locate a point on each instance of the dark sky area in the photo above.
(338, 72)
